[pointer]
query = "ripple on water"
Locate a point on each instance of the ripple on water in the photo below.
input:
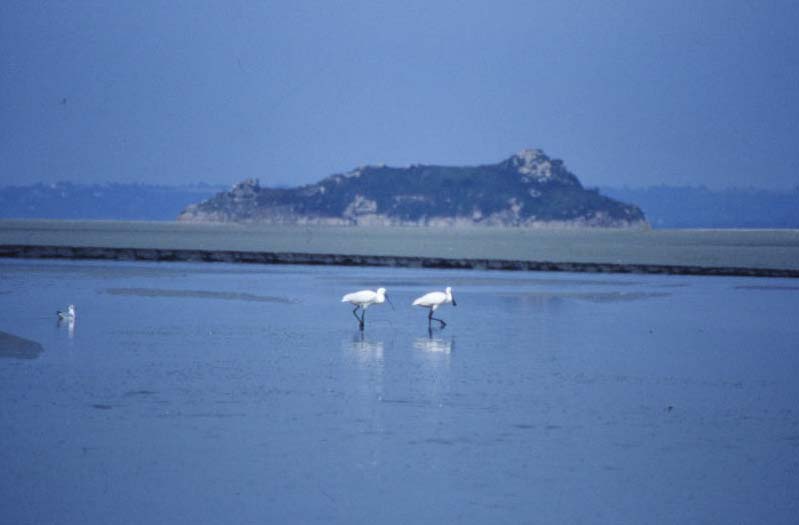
(778, 287)
(594, 297)
(198, 294)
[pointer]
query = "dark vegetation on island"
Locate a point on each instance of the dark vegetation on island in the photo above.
(527, 189)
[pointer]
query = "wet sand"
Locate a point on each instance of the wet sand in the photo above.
(14, 347)
(770, 253)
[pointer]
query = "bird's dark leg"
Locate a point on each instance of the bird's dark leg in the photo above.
(363, 317)
(431, 318)
(360, 319)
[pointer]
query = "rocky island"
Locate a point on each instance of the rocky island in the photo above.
(529, 189)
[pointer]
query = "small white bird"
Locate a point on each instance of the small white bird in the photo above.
(68, 315)
(433, 300)
(364, 299)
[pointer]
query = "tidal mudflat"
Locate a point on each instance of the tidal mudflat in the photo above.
(766, 249)
(216, 393)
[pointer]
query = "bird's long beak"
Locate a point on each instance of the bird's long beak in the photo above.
(389, 302)
(453, 302)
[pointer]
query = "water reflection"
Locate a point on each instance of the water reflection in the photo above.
(434, 353)
(69, 324)
(434, 343)
(366, 351)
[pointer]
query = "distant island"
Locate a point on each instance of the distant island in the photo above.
(529, 189)
(664, 206)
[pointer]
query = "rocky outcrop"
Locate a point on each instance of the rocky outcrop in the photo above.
(528, 189)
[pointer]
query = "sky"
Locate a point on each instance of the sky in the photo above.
(629, 93)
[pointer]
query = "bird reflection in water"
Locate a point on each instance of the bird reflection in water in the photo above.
(69, 323)
(365, 349)
(434, 344)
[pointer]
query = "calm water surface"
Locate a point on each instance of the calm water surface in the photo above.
(245, 394)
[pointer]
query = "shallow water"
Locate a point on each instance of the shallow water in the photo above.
(216, 393)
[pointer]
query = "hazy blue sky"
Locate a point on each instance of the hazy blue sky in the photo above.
(626, 92)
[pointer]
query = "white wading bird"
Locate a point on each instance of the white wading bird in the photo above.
(69, 315)
(364, 299)
(433, 300)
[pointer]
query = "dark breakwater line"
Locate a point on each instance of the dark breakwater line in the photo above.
(185, 255)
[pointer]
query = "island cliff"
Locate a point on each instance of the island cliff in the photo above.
(526, 190)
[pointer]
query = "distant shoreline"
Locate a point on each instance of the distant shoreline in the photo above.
(753, 253)
(316, 259)
(6, 223)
